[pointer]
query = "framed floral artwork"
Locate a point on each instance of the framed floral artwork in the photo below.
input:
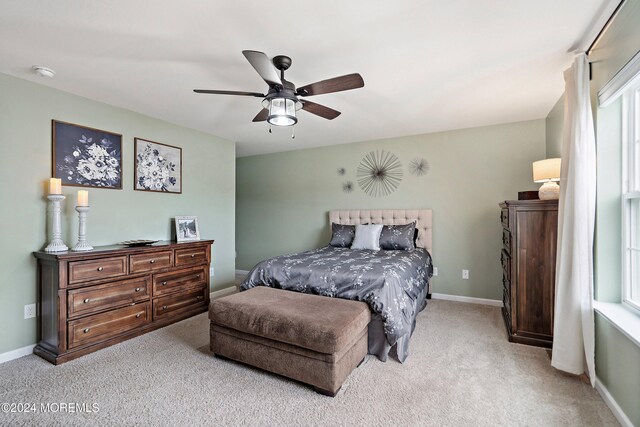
(86, 157)
(158, 167)
(187, 228)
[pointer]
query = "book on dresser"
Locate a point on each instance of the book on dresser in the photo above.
(91, 300)
(528, 257)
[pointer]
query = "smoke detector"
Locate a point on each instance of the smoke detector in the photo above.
(43, 71)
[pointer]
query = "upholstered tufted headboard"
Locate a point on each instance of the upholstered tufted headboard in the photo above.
(422, 217)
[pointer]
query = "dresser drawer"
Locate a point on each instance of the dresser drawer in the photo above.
(505, 259)
(504, 218)
(149, 262)
(506, 301)
(180, 280)
(95, 269)
(174, 304)
(191, 256)
(506, 240)
(110, 295)
(506, 283)
(101, 327)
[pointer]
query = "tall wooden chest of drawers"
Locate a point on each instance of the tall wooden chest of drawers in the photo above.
(528, 256)
(91, 300)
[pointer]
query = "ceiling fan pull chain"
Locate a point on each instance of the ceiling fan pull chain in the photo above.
(270, 129)
(293, 132)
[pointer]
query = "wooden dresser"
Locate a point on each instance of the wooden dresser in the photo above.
(91, 300)
(529, 235)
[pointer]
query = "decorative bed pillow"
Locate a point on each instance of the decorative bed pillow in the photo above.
(398, 237)
(342, 235)
(367, 237)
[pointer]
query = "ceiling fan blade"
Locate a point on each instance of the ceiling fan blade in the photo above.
(263, 66)
(261, 116)
(229, 92)
(320, 110)
(336, 84)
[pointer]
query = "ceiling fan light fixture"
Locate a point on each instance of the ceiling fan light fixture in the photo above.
(282, 112)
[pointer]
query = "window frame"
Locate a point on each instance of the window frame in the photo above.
(630, 192)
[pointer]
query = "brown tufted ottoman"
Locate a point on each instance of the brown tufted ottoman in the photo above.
(309, 338)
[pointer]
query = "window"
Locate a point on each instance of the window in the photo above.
(631, 195)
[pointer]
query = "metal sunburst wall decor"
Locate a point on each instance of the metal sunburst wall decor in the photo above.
(418, 167)
(341, 171)
(379, 173)
(347, 187)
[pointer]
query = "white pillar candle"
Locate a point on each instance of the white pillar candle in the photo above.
(55, 186)
(83, 198)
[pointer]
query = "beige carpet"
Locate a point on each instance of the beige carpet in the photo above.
(461, 371)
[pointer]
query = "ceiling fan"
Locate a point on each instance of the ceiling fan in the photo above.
(282, 100)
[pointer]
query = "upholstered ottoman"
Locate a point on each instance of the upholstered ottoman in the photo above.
(309, 338)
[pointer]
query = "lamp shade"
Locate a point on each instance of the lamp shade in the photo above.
(546, 170)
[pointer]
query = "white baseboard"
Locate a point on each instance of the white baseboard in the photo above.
(223, 292)
(242, 272)
(17, 353)
(612, 404)
(472, 300)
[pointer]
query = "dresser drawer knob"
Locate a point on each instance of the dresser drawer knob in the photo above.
(100, 268)
(152, 261)
(86, 331)
(138, 315)
(86, 300)
(137, 289)
(199, 297)
(164, 307)
(193, 255)
(164, 283)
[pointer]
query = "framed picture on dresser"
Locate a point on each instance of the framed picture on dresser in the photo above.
(187, 228)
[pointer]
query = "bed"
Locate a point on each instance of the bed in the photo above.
(394, 283)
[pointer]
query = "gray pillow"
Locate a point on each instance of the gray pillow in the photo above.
(367, 237)
(398, 237)
(342, 235)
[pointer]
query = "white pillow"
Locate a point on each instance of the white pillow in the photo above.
(367, 237)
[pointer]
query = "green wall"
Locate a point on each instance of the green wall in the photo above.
(618, 367)
(283, 199)
(26, 110)
(553, 125)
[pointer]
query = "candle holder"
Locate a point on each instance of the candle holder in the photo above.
(82, 244)
(56, 244)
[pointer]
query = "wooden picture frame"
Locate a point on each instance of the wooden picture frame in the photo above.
(158, 167)
(83, 156)
(187, 228)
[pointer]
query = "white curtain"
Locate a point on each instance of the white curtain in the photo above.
(573, 327)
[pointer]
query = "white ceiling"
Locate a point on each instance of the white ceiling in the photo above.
(427, 65)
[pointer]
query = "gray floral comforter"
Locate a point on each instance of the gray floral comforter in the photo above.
(389, 281)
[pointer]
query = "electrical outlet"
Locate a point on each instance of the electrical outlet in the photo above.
(211, 272)
(29, 311)
(465, 274)
(435, 271)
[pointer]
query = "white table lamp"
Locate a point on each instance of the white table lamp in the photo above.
(548, 172)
